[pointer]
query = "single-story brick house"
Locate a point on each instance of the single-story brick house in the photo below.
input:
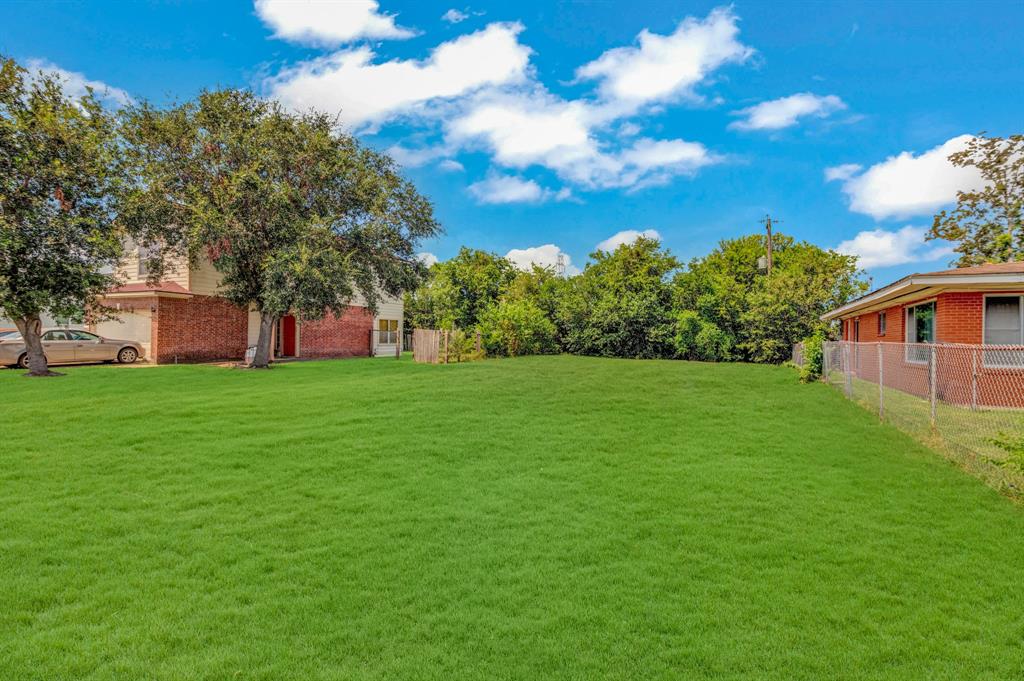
(950, 309)
(183, 319)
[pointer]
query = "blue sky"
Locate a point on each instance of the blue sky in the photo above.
(543, 127)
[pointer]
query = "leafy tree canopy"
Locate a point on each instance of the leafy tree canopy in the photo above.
(296, 216)
(60, 177)
(621, 304)
(987, 225)
(459, 290)
(762, 315)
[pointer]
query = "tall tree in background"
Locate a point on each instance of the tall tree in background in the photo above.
(295, 216)
(621, 305)
(60, 174)
(459, 290)
(746, 314)
(987, 225)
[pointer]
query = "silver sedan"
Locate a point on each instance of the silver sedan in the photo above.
(70, 346)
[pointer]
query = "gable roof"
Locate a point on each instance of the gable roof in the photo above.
(992, 276)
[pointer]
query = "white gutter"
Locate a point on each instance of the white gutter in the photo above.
(924, 281)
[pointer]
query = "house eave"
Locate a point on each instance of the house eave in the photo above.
(924, 285)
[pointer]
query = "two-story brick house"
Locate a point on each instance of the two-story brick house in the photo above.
(183, 319)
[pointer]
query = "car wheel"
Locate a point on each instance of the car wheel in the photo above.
(127, 355)
(23, 361)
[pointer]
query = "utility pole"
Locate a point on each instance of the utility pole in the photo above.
(767, 222)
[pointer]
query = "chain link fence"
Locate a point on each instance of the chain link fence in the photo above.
(965, 401)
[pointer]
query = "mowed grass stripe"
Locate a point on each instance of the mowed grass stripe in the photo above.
(544, 517)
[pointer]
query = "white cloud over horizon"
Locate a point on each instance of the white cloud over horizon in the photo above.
(884, 248)
(329, 24)
(427, 258)
(368, 92)
(626, 236)
(666, 67)
(495, 189)
(454, 16)
(784, 112)
(543, 256)
(905, 185)
(842, 172)
(479, 92)
(76, 84)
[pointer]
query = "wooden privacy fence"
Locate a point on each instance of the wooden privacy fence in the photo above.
(437, 346)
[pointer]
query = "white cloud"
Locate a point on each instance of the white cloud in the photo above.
(521, 130)
(414, 158)
(427, 258)
(544, 256)
(479, 92)
(626, 236)
(842, 172)
(363, 91)
(905, 184)
(882, 248)
(784, 112)
(666, 67)
(454, 16)
(511, 189)
(451, 165)
(316, 22)
(75, 84)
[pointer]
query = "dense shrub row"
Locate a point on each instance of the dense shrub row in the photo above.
(639, 301)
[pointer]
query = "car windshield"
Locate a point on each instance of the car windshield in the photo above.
(10, 335)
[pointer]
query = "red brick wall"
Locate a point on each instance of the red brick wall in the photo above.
(894, 319)
(332, 336)
(958, 319)
(197, 329)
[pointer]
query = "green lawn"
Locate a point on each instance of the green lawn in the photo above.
(549, 517)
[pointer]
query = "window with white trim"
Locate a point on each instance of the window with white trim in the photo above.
(881, 323)
(1003, 325)
(920, 329)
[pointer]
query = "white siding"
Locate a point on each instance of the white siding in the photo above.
(389, 308)
(204, 279)
(176, 267)
(254, 327)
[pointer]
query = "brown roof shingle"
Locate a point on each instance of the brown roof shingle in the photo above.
(988, 268)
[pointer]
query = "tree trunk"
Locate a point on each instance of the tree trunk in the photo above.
(30, 328)
(262, 358)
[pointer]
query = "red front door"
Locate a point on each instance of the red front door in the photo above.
(288, 336)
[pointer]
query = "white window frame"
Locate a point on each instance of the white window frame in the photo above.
(907, 356)
(883, 322)
(984, 320)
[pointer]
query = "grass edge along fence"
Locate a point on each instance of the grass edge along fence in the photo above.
(964, 401)
(444, 346)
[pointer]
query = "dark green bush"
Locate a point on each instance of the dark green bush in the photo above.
(813, 356)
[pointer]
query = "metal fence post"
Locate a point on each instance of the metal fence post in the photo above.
(974, 379)
(848, 357)
(826, 355)
(881, 385)
(931, 383)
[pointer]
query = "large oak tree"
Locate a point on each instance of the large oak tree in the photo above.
(60, 175)
(296, 215)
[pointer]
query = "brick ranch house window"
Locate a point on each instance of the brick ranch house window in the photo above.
(920, 329)
(1003, 324)
(881, 323)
